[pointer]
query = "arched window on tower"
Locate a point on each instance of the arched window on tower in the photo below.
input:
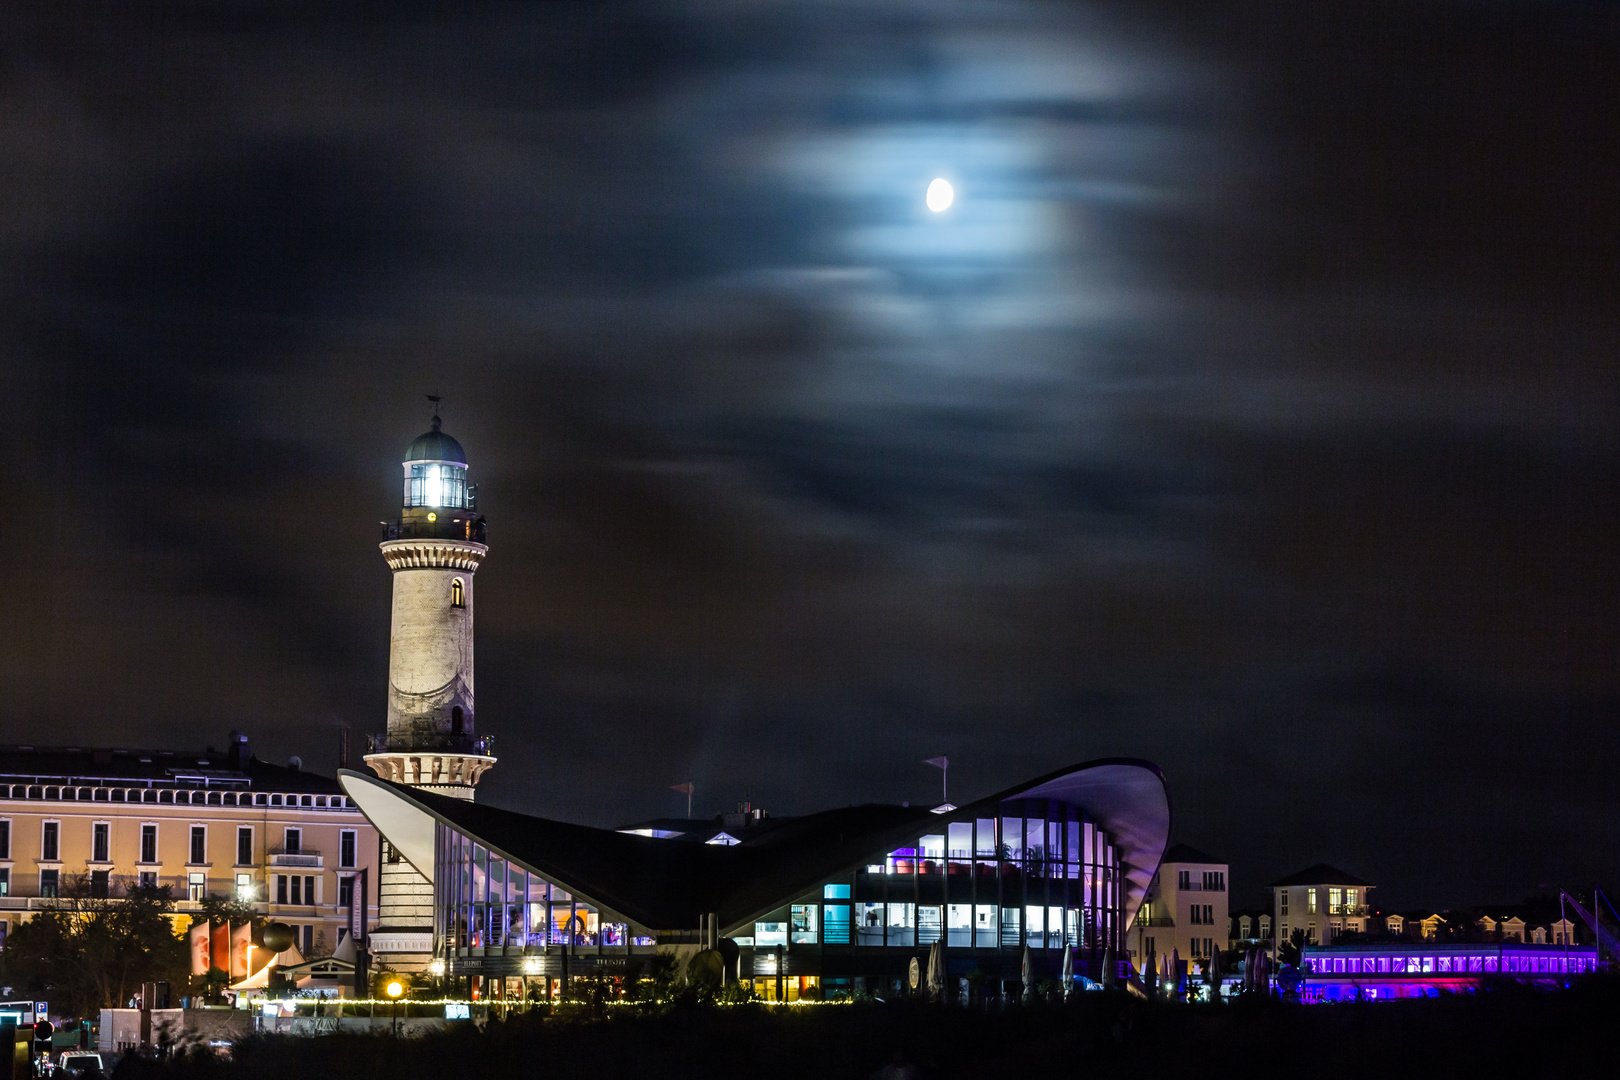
(458, 720)
(458, 593)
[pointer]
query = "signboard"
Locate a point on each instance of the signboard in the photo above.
(41, 1009)
(457, 1010)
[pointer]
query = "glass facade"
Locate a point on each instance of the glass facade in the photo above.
(1037, 875)
(436, 484)
(485, 901)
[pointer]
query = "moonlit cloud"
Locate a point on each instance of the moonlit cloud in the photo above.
(1252, 410)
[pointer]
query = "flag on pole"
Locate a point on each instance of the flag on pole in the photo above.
(197, 936)
(241, 938)
(685, 789)
(940, 762)
(219, 947)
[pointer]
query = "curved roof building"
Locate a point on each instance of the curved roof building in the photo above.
(829, 901)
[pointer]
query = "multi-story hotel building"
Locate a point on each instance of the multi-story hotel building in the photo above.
(209, 823)
(1185, 911)
(1323, 902)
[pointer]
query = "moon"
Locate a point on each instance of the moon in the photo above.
(940, 195)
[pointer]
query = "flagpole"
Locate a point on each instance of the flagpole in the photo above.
(943, 764)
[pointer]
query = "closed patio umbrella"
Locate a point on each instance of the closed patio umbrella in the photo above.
(1029, 981)
(936, 971)
(1175, 971)
(1068, 971)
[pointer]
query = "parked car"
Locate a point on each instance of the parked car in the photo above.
(80, 1063)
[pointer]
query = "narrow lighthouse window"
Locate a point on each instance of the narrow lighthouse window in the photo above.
(458, 595)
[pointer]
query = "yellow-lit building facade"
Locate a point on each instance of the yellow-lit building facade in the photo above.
(96, 822)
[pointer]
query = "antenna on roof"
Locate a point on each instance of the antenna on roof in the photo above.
(435, 398)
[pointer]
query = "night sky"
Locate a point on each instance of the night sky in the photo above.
(1255, 410)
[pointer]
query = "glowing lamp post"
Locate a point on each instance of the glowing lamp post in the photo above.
(393, 990)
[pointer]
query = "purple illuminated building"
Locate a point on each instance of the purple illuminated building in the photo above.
(1388, 970)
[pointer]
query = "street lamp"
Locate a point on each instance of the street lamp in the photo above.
(393, 990)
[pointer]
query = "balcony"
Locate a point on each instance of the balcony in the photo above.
(482, 745)
(453, 525)
(303, 857)
(1347, 909)
(1154, 920)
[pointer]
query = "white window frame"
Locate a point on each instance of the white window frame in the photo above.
(43, 870)
(237, 855)
(157, 849)
(94, 825)
(56, 858)
(5, 853)
(196, 890)
(354, 844)
(191, 834)
(286, 843)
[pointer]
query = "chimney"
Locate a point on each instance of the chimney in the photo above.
(239, 753)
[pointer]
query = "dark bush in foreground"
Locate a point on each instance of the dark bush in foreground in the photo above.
(1507, 1032)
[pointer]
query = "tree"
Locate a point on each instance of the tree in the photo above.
(1290, 951)
(88, 953)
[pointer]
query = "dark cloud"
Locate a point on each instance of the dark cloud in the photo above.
(1253, 411)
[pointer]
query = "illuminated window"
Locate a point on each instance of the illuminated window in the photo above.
(802, 924)
(245, 892)
(1310, 901)
(1335, 900)
(196, 886)
(458, 594)
(835, 921)
(436, 484)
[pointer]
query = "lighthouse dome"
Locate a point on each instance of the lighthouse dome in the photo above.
(435, 445)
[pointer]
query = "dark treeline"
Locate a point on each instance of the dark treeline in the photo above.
(1503, 1031)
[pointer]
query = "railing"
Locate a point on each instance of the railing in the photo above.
(392, 744)
(1347, 909)
(1155, 920)
(301, 857)
(455, 528)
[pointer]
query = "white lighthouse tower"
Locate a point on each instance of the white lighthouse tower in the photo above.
(432, 741)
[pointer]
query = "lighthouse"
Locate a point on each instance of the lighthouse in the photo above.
(434, 549)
